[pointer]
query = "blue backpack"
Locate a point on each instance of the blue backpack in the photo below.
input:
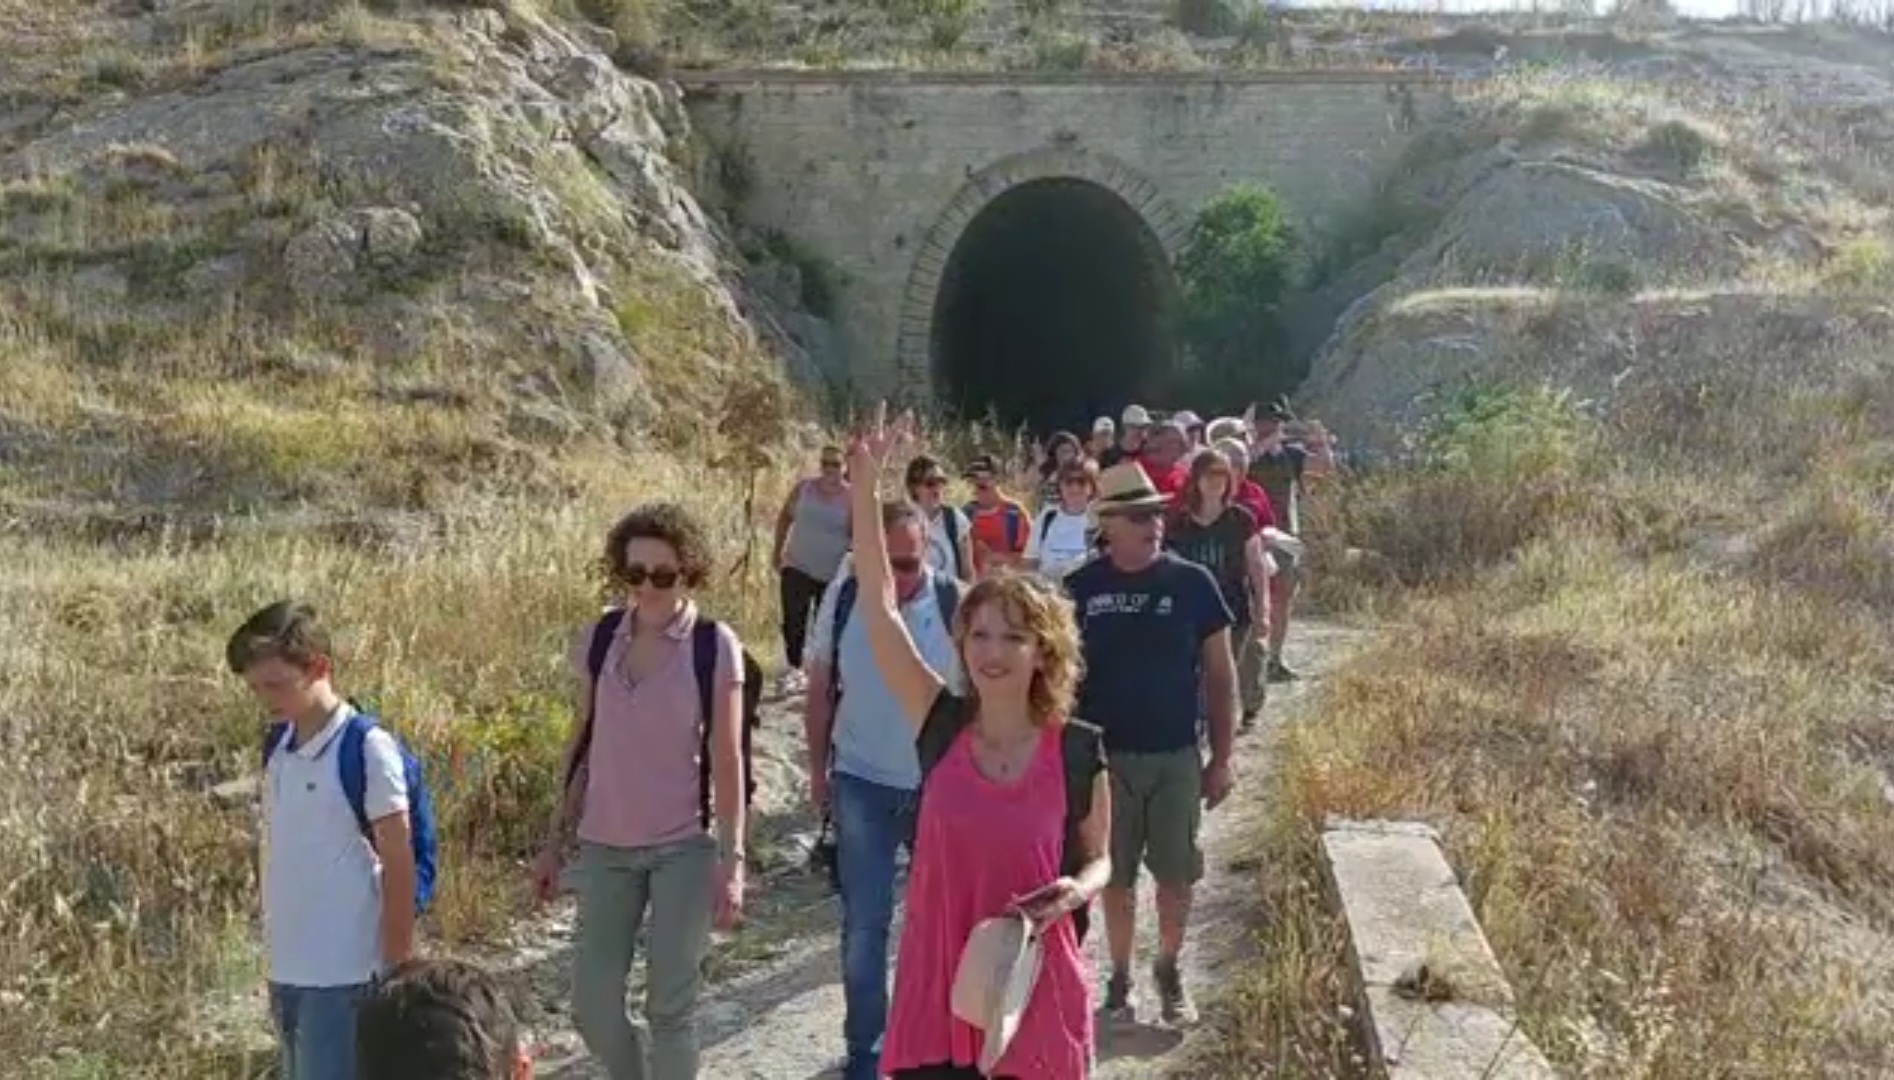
(351, 758)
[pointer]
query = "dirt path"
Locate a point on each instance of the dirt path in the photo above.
(775, 1009)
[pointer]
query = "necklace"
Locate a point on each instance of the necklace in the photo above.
(1003, 761)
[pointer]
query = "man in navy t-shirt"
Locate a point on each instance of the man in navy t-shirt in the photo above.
(1156, 636)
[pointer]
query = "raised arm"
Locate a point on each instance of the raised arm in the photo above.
(913, 684)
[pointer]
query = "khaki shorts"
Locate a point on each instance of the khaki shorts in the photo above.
(1156, 812)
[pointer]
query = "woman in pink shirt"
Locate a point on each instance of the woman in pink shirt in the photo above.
(660, 838)
(993, 831)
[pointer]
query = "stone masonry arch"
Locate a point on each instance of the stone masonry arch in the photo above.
(1165, 223)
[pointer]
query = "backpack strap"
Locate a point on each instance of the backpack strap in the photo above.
(948, 717)
(1045, 522)
(947, 598)
(1082, 751)
(596, 652)
(352, 760)
(951, 523)
(1013, 519)
(704, 662)
(845, 595)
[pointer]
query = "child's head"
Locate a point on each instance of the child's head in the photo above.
(441, 1019)
(283, 653)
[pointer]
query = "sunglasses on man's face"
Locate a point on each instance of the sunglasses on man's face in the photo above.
(904, 564)
(831, 466)
(638, 575)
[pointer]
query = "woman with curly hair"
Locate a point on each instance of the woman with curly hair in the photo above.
(654, 784)
(998, 830)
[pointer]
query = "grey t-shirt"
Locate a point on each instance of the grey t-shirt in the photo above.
(818, 532)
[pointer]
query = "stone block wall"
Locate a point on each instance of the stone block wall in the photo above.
(878, 172)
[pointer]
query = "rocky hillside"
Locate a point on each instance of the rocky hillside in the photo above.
(460, 210)
(1634, 221)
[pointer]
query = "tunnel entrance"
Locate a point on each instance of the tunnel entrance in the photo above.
(1057, 305)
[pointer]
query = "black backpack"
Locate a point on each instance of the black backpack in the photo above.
(704, 662)
(950, 521)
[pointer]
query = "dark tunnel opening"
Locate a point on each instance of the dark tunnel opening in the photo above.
(1057, 305)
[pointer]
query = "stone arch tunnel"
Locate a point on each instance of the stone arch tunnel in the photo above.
(1004, 240)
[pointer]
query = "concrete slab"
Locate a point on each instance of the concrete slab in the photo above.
(1438, 1006)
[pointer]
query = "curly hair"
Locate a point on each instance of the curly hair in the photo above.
(666, 522)
(1035, 606)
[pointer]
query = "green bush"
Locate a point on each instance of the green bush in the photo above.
(1236, 266)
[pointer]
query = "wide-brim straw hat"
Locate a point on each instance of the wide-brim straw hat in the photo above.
(998, 968)
(1125, 486)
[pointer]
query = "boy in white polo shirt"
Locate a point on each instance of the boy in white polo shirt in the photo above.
(335, 913)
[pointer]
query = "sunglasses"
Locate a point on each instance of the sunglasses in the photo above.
(934, 482)
(831, 466)
(905, 564)
(638, 575)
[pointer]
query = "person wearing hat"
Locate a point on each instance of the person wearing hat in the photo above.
(1012, 840)
(1104, 434)
(999, 527)
(1156, 635)
(1280, 465)
(1133, 424)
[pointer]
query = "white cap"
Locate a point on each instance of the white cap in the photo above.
(1188, 419)
(1135, 416)
(1103, 423)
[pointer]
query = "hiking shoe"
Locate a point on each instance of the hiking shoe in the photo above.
(1174, 1001)
(1280, 672)
(1118, 998)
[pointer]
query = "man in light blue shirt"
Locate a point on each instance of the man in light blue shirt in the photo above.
(862, 765)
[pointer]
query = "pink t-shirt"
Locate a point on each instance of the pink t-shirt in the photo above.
(980, 845)
(642, 788)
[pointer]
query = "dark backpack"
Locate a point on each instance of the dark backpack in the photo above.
(946, 595)
(950, 521)
(1081, 747)
(351, 760)
(704, 663)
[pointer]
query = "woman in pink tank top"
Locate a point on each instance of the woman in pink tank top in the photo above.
(997, 831)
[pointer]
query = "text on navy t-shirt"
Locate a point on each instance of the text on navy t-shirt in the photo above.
(1143, 635)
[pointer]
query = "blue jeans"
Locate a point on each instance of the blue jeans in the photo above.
(872, 821)
(315, 1028)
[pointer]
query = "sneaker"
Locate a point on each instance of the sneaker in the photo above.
(1173, 1000)
(1280, 672)
(790, 682)
(1248, 723)
(1118, 998)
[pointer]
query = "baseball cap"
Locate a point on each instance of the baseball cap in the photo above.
(1188, 419)
(1103, 423)
(1135, 416)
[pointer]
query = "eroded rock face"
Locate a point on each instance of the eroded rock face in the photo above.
(507, 172)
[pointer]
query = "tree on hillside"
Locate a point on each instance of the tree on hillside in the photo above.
(1236, 266)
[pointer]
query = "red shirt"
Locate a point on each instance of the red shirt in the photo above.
(1251, 496)
(1169, 482)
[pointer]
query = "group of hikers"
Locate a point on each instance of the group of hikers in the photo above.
(1064, 683)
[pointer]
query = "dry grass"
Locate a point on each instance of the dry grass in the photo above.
(164, 472)
(1641, 680)
(128, 894)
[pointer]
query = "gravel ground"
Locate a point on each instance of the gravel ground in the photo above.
(774, 1011)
